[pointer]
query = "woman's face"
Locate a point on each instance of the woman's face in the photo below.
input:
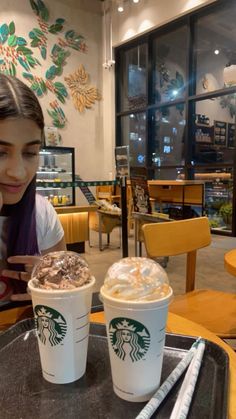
(45, 322)
(20, 141)
(126, 335)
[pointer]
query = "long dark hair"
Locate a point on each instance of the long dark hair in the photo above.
(18, 101)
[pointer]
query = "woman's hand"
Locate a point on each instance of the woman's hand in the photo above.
(29, 262)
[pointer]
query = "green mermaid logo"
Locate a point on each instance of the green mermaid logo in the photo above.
(129, 337)
(50, 325)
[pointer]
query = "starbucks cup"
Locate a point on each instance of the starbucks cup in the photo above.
(136, 337)
(62, 323)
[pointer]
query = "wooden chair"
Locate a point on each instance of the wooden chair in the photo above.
(215, 310)
(110, 193)
(104, 223)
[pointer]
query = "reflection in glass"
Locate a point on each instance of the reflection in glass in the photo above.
(214, 130)
(168, 143)
(170, 173)
(218, 196)
(216, 50)
(170, 65)
(133, 81)
(133, 133)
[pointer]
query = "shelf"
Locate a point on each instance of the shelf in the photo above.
(203, 125)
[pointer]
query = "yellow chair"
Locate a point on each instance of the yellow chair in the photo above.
(230, 262)
(215, 310)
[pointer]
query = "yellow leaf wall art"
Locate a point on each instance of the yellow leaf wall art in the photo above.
(83, 94)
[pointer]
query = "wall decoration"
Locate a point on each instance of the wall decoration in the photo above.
(84, 95)
(40, 86)
(52, 137)
(18, 52)
(13, 51)
(57, 114)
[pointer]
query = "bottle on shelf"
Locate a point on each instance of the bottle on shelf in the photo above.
(64, 199)
(55, 200)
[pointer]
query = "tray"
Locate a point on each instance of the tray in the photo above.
(25, 394)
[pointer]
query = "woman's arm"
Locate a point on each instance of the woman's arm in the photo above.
(61, 245)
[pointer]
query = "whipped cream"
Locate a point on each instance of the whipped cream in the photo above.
(136, 278)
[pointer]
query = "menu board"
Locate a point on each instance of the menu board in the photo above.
(140, 192)
(220, 133)
(231, 135)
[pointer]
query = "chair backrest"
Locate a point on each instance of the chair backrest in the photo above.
(176, 237)
(104, 192)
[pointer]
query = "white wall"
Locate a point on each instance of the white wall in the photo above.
(149, 14)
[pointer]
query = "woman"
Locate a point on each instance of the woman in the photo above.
(28, 223)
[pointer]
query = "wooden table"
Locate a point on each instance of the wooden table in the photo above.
(230, 262)
(178, 192)
(175, 324)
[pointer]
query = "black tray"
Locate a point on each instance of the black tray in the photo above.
(25, 394)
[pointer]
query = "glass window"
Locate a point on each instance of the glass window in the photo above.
(168, 137)
(214, 130)
(133, 133)
(133, 82)
(170, 173)
(218, 196)
(216, 50)
(169, 54)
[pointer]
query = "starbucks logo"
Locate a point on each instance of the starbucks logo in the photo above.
(129, 338)
(50, 324)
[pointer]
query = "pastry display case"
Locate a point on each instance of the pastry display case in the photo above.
(56, 165)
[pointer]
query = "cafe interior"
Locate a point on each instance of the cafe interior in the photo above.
(139, 101)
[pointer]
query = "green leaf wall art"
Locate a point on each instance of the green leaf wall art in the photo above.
(57, 114)
(18, 53)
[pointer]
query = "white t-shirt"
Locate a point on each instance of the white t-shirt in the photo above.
(49, 230)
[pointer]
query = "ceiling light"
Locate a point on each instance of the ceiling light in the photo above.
(217, 51)
(135, 1)
(120, 6)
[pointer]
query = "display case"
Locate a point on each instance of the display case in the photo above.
(218, 200)
(56, 165)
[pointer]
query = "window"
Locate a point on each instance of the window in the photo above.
(133, 133)
(169, 73)
(168, 136)
(216, 49)
(133, 81)
(176, 103)
(214, 130)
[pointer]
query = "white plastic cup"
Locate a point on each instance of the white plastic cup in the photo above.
(136, 337)
(62, 323)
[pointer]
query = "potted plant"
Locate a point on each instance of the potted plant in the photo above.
(226, 213)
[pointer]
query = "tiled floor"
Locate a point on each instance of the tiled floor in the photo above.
(210, 263)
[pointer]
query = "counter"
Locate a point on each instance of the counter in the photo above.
(75, 222)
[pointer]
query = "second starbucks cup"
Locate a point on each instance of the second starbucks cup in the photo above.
(136, 327)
